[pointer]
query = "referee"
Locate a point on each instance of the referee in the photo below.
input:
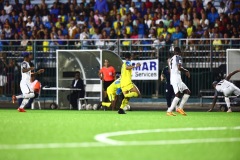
(108, 75)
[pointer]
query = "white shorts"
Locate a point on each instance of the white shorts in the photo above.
(179, 87)
(232, 89)
(26, 87)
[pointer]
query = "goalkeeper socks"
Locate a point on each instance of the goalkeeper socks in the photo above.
(184, 100)
(106, 104)
(131, 94)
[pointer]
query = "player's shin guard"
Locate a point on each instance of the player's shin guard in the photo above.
(184, 100)
(131, 94)
(28, 95)
(106, 104)
(174, 104)
(124, 103)
(227, 100)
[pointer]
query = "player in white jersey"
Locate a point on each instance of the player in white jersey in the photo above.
(175, 65)
(227, 88)
(25, 84)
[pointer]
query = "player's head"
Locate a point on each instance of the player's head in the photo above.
(128, 56)
(177, 50)
(214, 84)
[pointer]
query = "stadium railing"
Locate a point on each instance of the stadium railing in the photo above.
(204, 60)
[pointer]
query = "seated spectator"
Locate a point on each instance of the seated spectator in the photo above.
(36, 85)
(78, 84)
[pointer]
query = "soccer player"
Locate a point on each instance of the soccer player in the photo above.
(165, 77)
(175, 65)
(113, 90)
(227, 88)
(25, 84)
(129, 89)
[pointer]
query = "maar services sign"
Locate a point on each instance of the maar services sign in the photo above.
(147, 71)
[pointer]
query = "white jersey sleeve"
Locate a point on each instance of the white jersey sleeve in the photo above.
(175, 74)
(27, 75)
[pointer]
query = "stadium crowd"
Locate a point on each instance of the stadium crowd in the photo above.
(163, 21)
(102, 19)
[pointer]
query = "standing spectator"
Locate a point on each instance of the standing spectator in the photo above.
(165, 78)
(107, 74)
(101, 6)
(179, 87)
(78, 84)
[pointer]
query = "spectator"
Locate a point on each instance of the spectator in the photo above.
(77, 83)
(84, 35)
(101, 6)
(177, 35)
(8, 7)
(3, 16)
(212, 16)
(72, 30)
(204, 21)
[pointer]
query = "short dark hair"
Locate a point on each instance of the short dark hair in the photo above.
(177, 50)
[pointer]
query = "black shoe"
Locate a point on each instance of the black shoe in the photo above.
(121, 111)
(99, 105)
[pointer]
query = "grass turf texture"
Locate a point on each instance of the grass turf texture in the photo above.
(76, 127)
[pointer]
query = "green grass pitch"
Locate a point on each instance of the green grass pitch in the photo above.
(105, 135)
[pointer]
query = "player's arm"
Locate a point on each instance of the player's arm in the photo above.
(231, 74)
(100, 75)
(180, 68)
(214, 101)
(25, 69)
(39, 71)
(129, 67)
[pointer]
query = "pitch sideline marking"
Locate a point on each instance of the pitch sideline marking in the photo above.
(104, 140)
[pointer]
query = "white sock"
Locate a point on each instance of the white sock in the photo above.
(29, 95)
(184, 100)
(24, 102)
(227, 100)
(174, 104)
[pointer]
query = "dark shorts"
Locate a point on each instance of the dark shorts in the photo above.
(106, 84)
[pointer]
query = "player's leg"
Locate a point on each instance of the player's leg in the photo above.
(186, 94)
(132, 91)
(175, 100)
(169, 94)
(27, 94)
